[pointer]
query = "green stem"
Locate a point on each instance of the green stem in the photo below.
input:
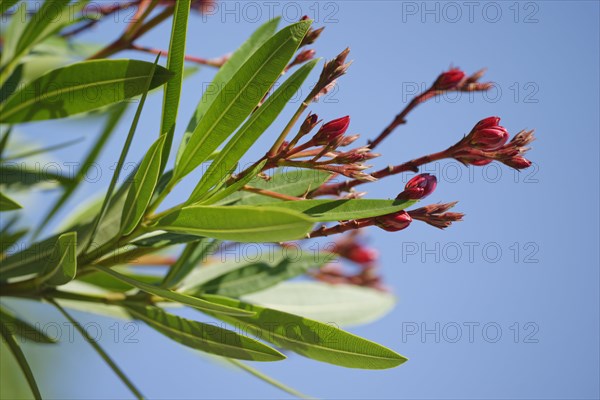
(268, 379)
(288, 128)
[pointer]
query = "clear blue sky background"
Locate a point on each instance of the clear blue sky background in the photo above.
(544, 57)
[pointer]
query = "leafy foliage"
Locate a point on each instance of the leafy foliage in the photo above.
(89, 262)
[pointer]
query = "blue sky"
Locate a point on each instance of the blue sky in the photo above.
(518, 279)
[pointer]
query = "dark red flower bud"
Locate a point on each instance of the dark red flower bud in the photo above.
(480, 163)
(362, 254)
(449, 79)
(418, 187)
(518, 162)
(394, 222)
(332, 130)
(488, 135)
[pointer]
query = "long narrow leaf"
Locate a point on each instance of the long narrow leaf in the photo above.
(265, 272)
(224, 74)
(192, 255)
(342, 304)
(312, 339)
(115, 177)
(342, 210)
(21, 360)
(252, 129)
(200, 304)
(205, 337)
(295, 182)
(175, 64)
(8, 204)
(238, 223)
(23, 329)
(6, 4)
(66, 91)
(240, 95)
(142, 187)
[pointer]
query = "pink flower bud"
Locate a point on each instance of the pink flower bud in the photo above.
(488, 135)
(449, 79)
(418, 187)
(394, 222)
(302, 57)
(332, 130)
(518, 162)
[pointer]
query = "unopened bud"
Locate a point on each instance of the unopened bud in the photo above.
(394, 222)
(418, 187)
(303, 57)
(488, 134)
(518, 162)
(311, 36)
(309, 123)
(332, 130)
(348, 140)
(355, 155)
(448, 80)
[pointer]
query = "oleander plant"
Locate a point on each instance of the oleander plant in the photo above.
(128, 255)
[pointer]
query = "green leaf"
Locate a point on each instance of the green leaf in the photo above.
(41, 150)
(51, 17)
(237, 223)
(175, 64)
(200, 304)
(312, 339)
(32, 259)
(21, 360)
(296, 182)
(80, 87)
(6, 4)
(106, 204)
(344, 305)
(240, 95)
(343, 210)
(12, 35)
(7, 204)
(193, 254)
(114, 285)
(23, 329)
(265, 272)
(42, 23)
(205, 337)
(15, 174)
(62, 266)
(7, 239)
(142, 187)
(224, 74)
(165, 239)
(221, 193)
(252, 129)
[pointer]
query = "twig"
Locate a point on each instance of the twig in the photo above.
(217, 63)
